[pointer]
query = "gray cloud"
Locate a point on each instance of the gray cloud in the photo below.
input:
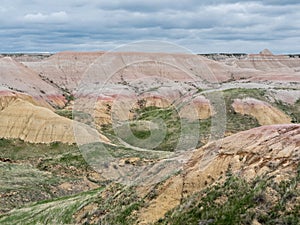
(208, 26)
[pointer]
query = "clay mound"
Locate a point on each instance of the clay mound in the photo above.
(65, 69)
(193, 68)
(289, 97)
(266, 52)
(262, 111)
(199, 105)
(23, 120)
(123, 108)
(8, 97)
(15, 76)
(267, 150)
(272, 150)
(175, 67)
(265, 61)
(68, 69)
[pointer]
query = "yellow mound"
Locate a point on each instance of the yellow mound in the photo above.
(23, 120)
(8, 97)
(262, 111)
(267, 150)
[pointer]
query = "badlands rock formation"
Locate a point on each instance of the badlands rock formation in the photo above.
(98, 86)
(157, 79)
(8, 97)
(123, 110)
(266, 52)
(266, 61)
(61, 73)
(202, 107)
(16, 76)
(66, 68)
(26, 121)
(267, 150)
(262, 111)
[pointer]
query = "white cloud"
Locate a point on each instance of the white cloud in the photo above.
(46, 18)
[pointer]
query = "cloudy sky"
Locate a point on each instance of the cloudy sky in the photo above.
(200, 25)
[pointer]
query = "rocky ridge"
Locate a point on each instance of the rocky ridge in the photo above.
(267, 150)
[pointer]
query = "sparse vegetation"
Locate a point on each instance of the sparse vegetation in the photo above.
(113, 205)
(158, 118)
(54, 184)
(77, 115)
(16, 149)
(237, 201)
(232, 201)
(65, 113)
(236, 122)
(292, 110)
(32, 172)
(54, 211)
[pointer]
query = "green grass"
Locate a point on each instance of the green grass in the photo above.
(78, 115)
(54, 211)
(170, 118)
(94, 151)
(115, 205)
(292, 110)
(23, 183)
(61, 164)
(31, 172)
(163, 118)
(45, 157)
(236, 122)
(23, 176)
(16, 149)
(139, 134)
(256, 93)
(65, 113)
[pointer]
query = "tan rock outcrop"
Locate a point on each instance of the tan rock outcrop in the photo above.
(68, 69)
(262, 111)
(105, 110)
(169, 196)
(199, 106)
(23, 120)
(268, 150)
(8, 97)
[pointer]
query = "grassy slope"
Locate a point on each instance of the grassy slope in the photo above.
(113, 205)
(55, 211)
(234, 201)
(31, 172)
(239, 202)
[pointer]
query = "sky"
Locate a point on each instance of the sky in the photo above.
(201, 26)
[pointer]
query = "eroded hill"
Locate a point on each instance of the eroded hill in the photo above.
(255, 179)
(181, 135)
